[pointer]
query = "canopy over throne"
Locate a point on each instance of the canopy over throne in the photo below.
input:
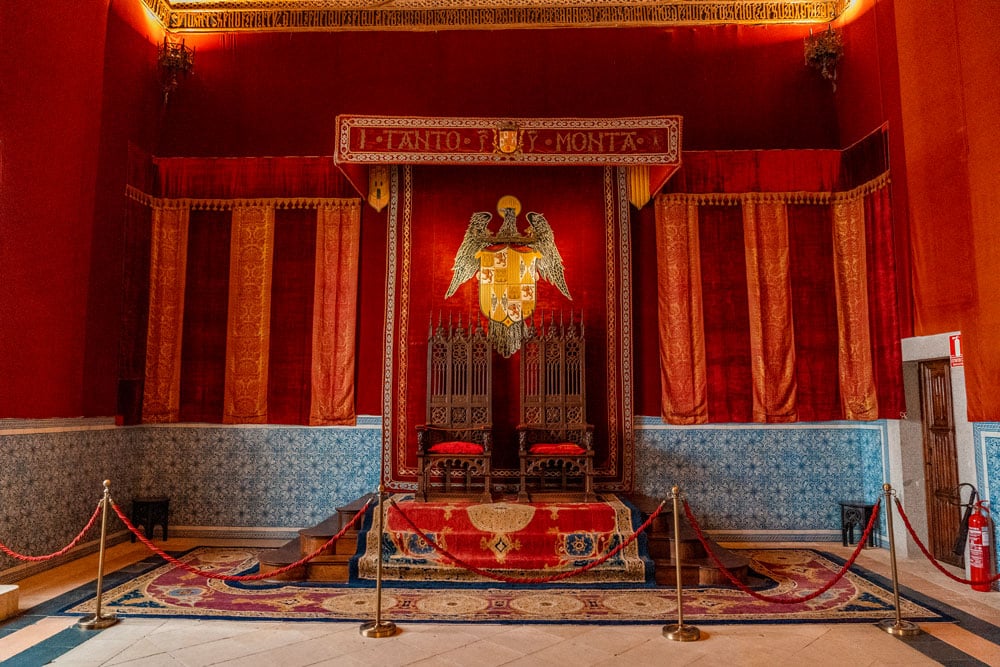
(556, 444)
(453, 447)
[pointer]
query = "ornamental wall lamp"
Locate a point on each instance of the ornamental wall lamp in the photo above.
(175, 60)
(823, 52)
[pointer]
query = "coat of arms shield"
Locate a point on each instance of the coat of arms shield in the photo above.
(508, 265)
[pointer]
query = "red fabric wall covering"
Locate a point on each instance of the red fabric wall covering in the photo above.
(49, 138)
(256, 177)
(727, 314)
(292, 280)
(883, 316)
(206, 299)
(868, 95)
(277, 94)
(814, 312)
(371, 312)
(757, 171)
(646, 321)
(129, 105)
(135, 311)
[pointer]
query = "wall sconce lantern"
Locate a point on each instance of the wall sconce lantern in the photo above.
(823, 52)
(175, 60)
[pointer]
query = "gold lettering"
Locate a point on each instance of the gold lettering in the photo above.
(628, 142)
(453, 146)
(595, 142)
(406, 141)
(579, 141)
(532, 135)
(483, 136)
(564, 142)
(422, 142)
(362, 139)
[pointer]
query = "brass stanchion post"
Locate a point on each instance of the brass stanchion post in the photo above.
(679, 632)
(379, 628)
(897, 626)
(99, 621)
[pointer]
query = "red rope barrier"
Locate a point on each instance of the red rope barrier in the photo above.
(76, 540)
(770, 598)
(232, 577)
(526, 580)
(934, 562)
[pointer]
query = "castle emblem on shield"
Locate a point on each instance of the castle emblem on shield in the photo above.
(508, 265)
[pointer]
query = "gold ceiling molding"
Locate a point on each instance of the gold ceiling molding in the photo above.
(211, 16)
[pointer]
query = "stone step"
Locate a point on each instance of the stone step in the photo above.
(9, 598)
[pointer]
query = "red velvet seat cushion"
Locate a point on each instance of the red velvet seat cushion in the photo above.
(564, 448)
(457, 447)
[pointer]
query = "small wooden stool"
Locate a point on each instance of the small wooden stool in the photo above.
(150, 512)
(855, 513)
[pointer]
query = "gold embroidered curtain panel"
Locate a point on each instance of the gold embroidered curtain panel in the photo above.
(244, 323)
(774, 365)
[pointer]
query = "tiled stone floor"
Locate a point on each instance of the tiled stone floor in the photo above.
(35, 638)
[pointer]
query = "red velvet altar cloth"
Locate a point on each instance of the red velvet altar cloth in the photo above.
(588, 211)
(513, 539)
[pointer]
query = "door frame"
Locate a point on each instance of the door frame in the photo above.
(911, 483)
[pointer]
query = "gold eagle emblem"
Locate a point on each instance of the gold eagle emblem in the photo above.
(508, 265)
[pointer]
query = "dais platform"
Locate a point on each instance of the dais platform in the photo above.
(334, 564)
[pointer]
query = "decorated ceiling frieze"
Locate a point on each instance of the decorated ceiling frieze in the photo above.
(194, 16)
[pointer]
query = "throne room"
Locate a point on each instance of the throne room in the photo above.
(559, 321)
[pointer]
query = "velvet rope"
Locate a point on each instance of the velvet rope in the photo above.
(76, 540)
(232, 577)
(526, 580)
(971, 582)
(771, 598)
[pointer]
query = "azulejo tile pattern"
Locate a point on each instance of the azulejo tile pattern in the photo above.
(763, 477)
(986, 436)
(51, 482)
(271, 476)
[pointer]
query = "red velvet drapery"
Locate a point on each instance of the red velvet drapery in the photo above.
(807, 365)
(259, 363)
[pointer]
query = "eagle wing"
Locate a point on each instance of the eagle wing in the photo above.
(466, 264)
(550, 264)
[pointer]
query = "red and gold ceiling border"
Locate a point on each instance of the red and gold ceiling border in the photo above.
(648, 145)
(319, 15)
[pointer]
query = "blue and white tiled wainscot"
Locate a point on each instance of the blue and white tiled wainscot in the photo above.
(257, 481)
(51, 481)
(765, 482)
(986, 436)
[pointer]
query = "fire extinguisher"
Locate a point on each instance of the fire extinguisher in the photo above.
(980, 556)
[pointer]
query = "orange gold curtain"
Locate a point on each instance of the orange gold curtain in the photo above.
(338, 229)
(248, 329)
(857, 382)
(684, 398)
(167, 268)
(772, 344)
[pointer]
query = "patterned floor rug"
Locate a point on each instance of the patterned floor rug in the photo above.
(168, 591)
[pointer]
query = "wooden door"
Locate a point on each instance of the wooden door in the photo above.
(940, 459)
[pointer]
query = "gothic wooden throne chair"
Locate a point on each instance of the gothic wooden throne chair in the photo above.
(556, 444)
(453, 447)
